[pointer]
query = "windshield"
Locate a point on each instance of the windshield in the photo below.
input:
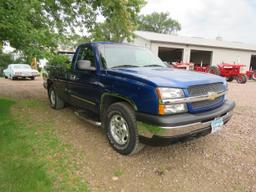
(21, 66)
(113, 56)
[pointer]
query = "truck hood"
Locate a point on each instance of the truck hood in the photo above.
(168, 77)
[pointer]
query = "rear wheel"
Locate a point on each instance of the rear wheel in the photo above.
(55, 101)
(241, 79)
(5, 77)
(254, 76)
(213, 70)
(32, 78)
(121, 129)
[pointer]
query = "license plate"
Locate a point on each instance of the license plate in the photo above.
(216, 124)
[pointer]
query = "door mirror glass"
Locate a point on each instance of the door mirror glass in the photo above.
(85, 65)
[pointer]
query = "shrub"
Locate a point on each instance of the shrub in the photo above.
(59, 61)
(6, 59)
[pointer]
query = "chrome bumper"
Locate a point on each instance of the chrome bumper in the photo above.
(149, 131)
(23, 75)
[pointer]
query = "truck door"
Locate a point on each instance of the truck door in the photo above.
(61, 81)
(83, 84)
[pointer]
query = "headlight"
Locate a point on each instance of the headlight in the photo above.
(168, 94)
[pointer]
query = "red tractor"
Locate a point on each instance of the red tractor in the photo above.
(230, 71)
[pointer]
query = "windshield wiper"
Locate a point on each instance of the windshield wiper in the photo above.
(153, 65)
(125, 66)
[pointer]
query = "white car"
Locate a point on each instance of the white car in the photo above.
(15, 71)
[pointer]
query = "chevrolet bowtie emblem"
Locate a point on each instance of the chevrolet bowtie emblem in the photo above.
(212, 95)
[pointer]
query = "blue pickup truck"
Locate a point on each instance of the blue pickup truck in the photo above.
(136, 97)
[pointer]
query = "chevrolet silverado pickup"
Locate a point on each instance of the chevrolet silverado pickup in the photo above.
(136, 97)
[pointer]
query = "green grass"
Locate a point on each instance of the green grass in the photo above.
(32, 157)
(239, 188)
(118, 173)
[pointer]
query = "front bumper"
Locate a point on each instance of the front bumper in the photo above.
(24, 76)
(150, 126)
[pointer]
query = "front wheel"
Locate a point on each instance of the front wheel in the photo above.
(5, 77)
(55, 101)
(241, 79)
(32, 78)
(121, 129)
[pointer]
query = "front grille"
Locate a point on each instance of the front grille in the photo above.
(199, 90)
(26, 74)
(207, 104)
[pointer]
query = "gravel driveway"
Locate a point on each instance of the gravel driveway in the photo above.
(221, 162)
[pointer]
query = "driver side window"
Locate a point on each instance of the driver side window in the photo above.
(86, 53)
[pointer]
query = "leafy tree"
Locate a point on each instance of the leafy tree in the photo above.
(159, 23)
(37, 27)
(103, 32)
(121, 17)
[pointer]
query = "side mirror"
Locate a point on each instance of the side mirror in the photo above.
(85, 65)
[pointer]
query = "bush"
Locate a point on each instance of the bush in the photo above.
(58, 65)
(6, 59)
(57, 60)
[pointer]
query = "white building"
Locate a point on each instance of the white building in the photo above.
(172, 48)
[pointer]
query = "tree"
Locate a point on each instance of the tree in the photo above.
(159, 23)
(37, 27)
(121, 20)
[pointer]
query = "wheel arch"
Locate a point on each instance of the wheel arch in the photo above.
(108, 99)
(49, 83)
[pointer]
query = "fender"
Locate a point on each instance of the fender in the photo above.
(117, 96)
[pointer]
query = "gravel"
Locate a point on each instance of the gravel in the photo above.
(225, 161)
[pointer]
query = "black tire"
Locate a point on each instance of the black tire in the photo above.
(56, 102)
(244, 79)
(213, 70)
(5, 77)
(125, 111)
(14, 78)
(230, 79)
(32, 78)
(241, 79)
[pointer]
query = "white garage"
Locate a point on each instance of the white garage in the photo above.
(172, 48)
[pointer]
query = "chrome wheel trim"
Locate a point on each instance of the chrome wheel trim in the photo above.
(119, 129)
(52, 97)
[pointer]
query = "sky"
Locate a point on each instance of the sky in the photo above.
(233, 20)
